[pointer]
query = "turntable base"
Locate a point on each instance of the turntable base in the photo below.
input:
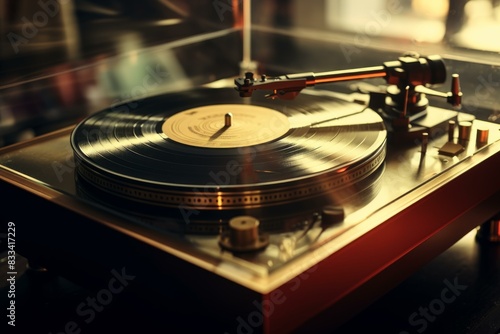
(476, 266)
(422, 204)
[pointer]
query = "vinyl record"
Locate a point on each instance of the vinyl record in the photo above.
(209, 149)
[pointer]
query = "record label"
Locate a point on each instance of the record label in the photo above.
(226, 126)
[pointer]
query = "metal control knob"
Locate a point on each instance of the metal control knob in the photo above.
(482, 137)
(331, 215)
(464, 131)
(243, 235)
(451, 130)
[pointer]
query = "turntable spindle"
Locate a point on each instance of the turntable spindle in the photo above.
(228, 119)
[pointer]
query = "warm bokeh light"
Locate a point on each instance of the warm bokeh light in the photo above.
(435, 9)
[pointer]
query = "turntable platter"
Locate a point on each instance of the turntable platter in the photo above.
(211, 150)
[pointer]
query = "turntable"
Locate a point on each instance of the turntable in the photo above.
(255, 193)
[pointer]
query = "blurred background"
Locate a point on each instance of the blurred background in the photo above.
(61, 60)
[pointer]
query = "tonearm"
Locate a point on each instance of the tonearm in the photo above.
(409, 78)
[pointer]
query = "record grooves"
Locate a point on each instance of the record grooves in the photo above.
(178, 150)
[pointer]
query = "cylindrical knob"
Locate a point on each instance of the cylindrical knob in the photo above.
(425, 142)
(451, 130)
(331, 215)
(243, 235)
(464, 130)
(243, 230)
(482, 137)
